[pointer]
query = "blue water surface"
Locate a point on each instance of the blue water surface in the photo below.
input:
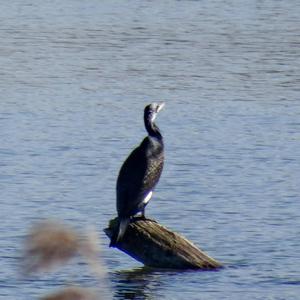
(74, 79)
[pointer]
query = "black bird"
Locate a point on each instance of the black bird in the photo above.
(140, 173)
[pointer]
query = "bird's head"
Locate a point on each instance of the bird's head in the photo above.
(152, 110)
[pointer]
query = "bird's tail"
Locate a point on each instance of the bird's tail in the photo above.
(117, 237)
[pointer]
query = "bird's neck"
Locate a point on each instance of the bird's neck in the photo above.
(152, 129)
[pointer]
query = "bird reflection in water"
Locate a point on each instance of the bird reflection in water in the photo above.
(140, 283)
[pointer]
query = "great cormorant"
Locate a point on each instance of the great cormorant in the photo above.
(140, 173)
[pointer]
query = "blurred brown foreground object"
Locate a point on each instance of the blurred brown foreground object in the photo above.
(51, 243)
(73, 293)
(155, 246)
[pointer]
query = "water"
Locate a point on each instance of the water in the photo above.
(75, 76)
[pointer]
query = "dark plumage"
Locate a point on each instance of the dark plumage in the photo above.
(140, 173)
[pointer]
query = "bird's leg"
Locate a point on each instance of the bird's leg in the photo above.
(143, 214)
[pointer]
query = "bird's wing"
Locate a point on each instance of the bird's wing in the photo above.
(130, 182)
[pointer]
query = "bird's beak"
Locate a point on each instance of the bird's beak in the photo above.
(160, 106)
